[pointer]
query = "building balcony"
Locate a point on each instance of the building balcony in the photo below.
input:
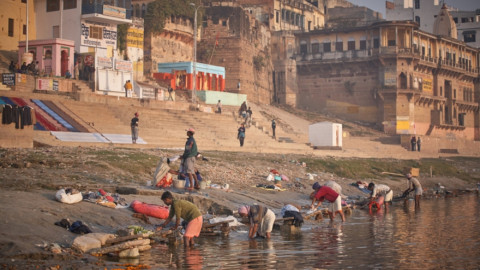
(101, 11)
(335, 56)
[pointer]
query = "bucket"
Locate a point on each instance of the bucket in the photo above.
(178, 183)
(203, 184)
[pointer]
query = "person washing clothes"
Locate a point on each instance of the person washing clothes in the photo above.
(261, 220)
(326, 193)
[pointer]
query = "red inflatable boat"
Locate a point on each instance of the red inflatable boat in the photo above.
(152, 210)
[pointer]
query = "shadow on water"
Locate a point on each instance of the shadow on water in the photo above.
(442, 234)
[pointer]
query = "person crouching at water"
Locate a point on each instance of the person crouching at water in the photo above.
(190, 214)
(381, 190)
(261, 220)
(324, 192)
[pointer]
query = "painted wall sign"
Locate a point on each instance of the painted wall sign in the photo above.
(123, 65)
(135, 38)
(105, 62)
(96, 34)
(8, 79)
(427, 86)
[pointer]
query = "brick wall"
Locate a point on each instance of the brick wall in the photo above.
(241, 41)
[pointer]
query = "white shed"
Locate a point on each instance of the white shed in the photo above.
(325, 134)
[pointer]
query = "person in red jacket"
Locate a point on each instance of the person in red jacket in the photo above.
(326, 193)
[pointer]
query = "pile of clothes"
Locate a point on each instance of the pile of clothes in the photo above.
(106, 199)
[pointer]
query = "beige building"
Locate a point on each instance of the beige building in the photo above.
(13, 21)
(392, 75)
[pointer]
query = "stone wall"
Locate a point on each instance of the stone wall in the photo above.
(243, 48)
(174, 44)
(343, 90)
(10, 137)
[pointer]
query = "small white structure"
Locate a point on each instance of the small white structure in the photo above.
(325, 134)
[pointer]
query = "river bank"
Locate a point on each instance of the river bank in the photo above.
(30, 178)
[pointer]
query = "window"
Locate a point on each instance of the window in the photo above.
(24, 29)
(10, 27)
(53, 5)
(24, 1)
(376, 43)
(417, 19)
(464, 20)
(224, 23)
(417, 4)
(455, 20)
(303, 47)
(69, 4)
(351, 45)
(339, 46)
(327, 46)
(276, 17)
(363, 44)
(441, 91)
(56, 31)
(315, 47)
(144, 10)
(391, 42)
(96, 32)
(469, 36)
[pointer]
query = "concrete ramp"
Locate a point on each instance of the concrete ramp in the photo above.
(94, 137)
(122, 138)
(79, 137)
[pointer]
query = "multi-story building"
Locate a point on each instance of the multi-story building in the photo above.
(92, 25)
(425, 12)
(422, 12)
(393, 75)
(468, 26)
(13, 19)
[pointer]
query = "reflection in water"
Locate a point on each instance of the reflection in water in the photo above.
(443, 234)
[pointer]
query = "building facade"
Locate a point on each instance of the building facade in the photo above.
(468, 26)
(92, 25)
(392, 75)
(13, 21)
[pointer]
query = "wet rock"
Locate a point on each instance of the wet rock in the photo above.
(129, 253)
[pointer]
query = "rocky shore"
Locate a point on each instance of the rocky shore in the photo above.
(29, 180)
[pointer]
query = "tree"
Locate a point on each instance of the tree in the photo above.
(161, 10)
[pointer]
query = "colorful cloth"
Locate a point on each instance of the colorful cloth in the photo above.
(326, 193)
(194, 227)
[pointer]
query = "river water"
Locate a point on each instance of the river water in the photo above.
(443, 234)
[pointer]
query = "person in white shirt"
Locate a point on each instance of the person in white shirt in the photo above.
(381, 190)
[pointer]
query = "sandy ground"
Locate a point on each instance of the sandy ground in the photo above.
(29, 210)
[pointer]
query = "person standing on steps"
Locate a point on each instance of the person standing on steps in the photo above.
(134, 126)
(274, 125)
(189, 156)
(170, 90)
(419, 144)
(219, 106)
(241, 134)
(128, 89)
(413, 142)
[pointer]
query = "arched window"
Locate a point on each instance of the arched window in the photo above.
(339, 45)
(351, 44)
(315, 46)
(327, 45)
(303, 47)
(137, 11)
(144, 10)
(403, 81)
(363, 43)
